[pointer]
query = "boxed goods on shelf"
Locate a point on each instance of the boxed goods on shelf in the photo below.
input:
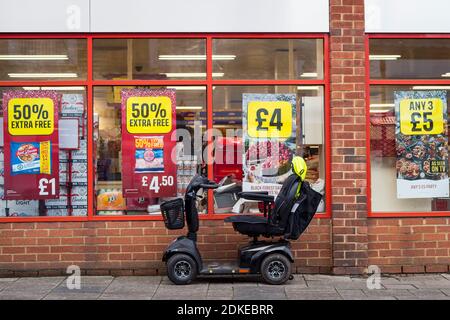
(22, 208)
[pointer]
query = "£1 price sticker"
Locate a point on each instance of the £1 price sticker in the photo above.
(269, 119)
(31, 116)
(149, 115)
(421, 116)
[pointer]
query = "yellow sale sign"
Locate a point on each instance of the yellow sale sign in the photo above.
(31, 116)
(269, 119)
(149, 115)
(421, 116)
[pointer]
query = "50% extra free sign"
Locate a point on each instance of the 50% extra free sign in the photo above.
(149, 115)
(31, 116)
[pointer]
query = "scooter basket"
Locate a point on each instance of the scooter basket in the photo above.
(173, 213)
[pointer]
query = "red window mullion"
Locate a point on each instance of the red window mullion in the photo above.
(209, 117)
(32, 83)
(327, 125)
(90, 133)
(368, 165)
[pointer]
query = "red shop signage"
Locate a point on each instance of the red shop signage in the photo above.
(31, 144)
(148, 121)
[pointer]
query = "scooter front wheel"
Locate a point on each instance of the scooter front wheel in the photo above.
(181, 269)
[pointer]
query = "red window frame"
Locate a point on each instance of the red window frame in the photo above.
(209, 82)
(370, 82)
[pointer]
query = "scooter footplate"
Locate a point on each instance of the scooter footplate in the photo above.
(215, 268)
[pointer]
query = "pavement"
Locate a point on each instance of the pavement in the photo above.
(302, 287)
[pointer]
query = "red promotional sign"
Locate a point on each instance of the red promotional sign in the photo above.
(148, 120)
(31, 144)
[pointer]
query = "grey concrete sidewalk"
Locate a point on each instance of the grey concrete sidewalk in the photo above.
(303, 287)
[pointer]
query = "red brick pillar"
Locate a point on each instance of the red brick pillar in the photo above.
(348, 151)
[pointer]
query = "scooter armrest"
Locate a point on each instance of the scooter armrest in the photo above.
(256, 196)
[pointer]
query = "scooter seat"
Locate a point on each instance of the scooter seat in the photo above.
(249, 225)
(244, 218)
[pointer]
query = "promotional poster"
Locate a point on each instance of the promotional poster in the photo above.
(148, 120)
(421, 144)
(31, 142)
(269, 127)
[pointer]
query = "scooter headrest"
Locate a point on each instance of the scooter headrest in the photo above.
(299, 167)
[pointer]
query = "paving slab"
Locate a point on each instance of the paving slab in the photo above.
(317, 295)
(133, 285)
(421, 277)
(158, 296)
(390, 280)
(351, 285)
(8, 279)
(324, 277)
(432, 284)
(125, 296)
(84, 289)
(72, 296)
(382, 298)
(399, 286)
(32, 286)
(446, 291)
(21, 295)
(388, 292)
(429, 293)
(446, 275)
(352, 294)
(138, 279)
(258, 293)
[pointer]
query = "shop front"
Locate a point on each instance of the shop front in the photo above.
(103, 121)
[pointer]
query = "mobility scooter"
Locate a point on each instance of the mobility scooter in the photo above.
(285, 217)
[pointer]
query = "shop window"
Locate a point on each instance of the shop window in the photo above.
(204, 112)
(268, 59)
(410, 59)
(43, 59)
(150, 59)
(234, 150)
(39, 180)
(402, 163)
(190, 146)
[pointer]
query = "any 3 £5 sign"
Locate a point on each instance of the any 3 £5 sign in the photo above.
(269, 119)
(421, 116)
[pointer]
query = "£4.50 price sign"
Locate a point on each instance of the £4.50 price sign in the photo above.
(269, 119)
(149, 115)
(31, 116)
(148, 122)
(421, 116)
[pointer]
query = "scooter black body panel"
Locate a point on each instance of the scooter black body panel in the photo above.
(183, 245)
(252, 254)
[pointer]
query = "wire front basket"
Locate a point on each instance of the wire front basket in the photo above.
(173, 213)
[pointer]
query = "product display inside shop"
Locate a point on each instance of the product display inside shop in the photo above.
(44, 152)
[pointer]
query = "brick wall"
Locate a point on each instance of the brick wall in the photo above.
(347, 54)
(126, 248)
(410, 245)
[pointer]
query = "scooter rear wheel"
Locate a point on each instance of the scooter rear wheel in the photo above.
(276, 269)
(181, 269)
